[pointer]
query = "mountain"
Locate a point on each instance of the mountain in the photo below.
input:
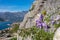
(50, 6)
(44, 14)
(1, 19)
(13, 16)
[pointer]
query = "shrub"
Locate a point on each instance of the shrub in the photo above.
(14, 38)
(38, 34)
(32, 8)
(14, 28)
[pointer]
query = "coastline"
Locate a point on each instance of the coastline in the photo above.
(4, 30)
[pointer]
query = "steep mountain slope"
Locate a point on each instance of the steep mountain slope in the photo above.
(50, 6)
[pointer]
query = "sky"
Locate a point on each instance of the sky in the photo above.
(15, 5)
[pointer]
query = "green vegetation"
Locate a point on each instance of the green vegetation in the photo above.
(57, 25)
(14, 38)
(14, 28)
(43, 12)
(32, 8)
(47, 19)
(38, 34)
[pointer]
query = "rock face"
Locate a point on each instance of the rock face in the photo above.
(38, 5)
(57, 34)
(52, 7)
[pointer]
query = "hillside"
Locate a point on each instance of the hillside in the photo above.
(1, 19)
(43, 15)
(38, 6)
(13, 16)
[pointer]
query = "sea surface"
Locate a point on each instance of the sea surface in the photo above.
(4, 25)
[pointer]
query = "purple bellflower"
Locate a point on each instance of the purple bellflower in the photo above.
(41, 17)
(40, 23)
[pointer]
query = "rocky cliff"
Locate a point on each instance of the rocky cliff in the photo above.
(50, 6)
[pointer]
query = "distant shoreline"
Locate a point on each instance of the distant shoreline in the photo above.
(5, 25)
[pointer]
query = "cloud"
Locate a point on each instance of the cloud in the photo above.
(6, 10)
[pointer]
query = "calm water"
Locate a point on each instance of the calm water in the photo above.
(4, 25)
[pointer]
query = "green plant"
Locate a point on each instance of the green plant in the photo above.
(57, 25)
(32, 8)
(38, 34)
(14, 38)
(14, 28)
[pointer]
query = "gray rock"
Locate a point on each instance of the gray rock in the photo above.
(57, 34)
(51, 6)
